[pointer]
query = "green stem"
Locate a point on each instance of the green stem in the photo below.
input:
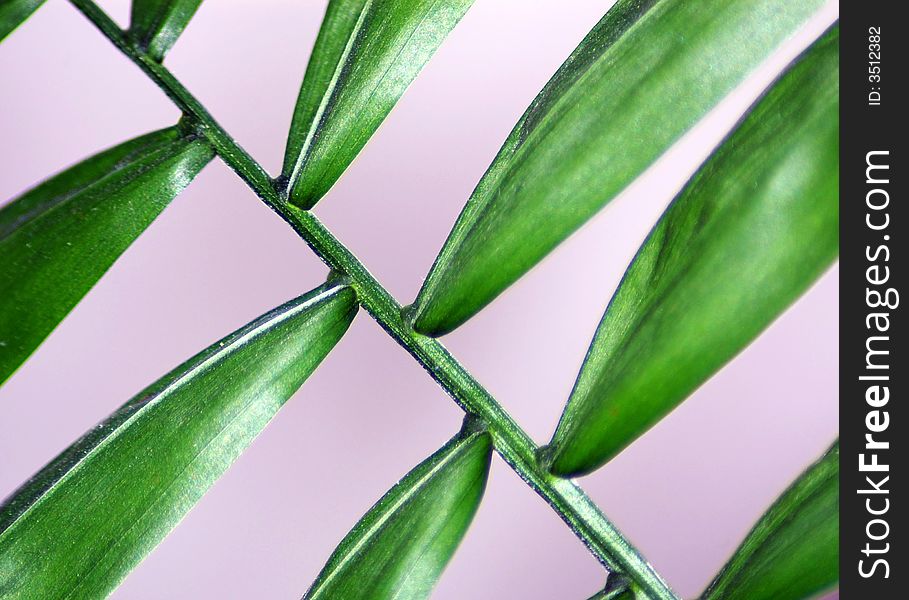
(606, 543)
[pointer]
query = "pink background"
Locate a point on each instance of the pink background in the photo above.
(685, 493)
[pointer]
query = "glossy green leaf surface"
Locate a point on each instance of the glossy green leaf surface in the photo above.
(82, 523)
(156, 24)
(14, 12)
(366, 54)
(626, 594)
(793, 551)
(59, 238)
(645, 74)
(400, 547)
(749, 233)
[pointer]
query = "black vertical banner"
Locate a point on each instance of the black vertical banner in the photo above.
(873, 366)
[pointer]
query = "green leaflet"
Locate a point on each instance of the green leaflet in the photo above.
(400, 547)
(793, 551)
(156, 24)
(646, 73)
(81, 524)
(59, 238)
(746, 236)
(367, 53)
(14, 12)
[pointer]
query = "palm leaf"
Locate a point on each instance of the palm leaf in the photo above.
(58, 239)
(91, 515)
(746, 236)
(367, 53)
(14, 12)
(646, 73)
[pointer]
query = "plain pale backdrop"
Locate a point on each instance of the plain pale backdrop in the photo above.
(685, 493)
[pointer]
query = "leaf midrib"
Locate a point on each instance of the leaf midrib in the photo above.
(144, 404)
(333, 159)
(318, 118)
(153, 158)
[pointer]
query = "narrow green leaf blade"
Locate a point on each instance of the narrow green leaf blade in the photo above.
(793, 550)
(618, 588)
(58, 239)
(744, 239)
(645, 74)
(14, 12)
(82, 523)
(157, 24)
(400, 547)
(366, 54)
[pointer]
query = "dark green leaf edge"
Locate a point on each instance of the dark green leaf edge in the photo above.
(96, 183)
(15, 12)
(435, 312)
(470, 444)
